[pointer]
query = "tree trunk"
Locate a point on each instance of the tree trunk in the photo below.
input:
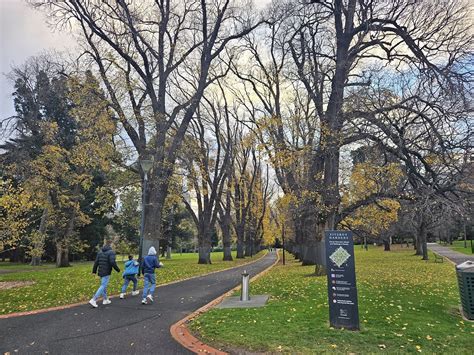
(240, 250)
(310, 256)
(226, 239)
(62, 244)
(204, 249)
(330, 136)
(424, 246)
(310, 253)
(204, 254)
(204, 245)
(62, 254)
(227, 254)
(36, 260)
(318, 231)
(226, 220)
(309, 228)
(240, 242)
(320, 270)
(248, 245)
(297, 251)
(226, 236)
(154, 202)
(417, 245)
(15, 256)
(386, 244)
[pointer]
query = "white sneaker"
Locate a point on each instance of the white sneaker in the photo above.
(150, 298)
(122, 296)
(106, 301)
(93, 303)
(144, 301)
(134, 293)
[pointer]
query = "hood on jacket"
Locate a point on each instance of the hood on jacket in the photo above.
(106, 248)
(152, 251)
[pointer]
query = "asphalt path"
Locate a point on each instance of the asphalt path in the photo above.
(123, 327)
(455, 256)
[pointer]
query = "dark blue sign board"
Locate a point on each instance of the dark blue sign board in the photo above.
(342, 290)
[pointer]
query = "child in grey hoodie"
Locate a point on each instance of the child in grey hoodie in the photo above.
(150, 263)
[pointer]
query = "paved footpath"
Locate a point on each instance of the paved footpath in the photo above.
(123, 327)
(455, 256)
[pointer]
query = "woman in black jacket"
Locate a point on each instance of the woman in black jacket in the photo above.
(104, 262)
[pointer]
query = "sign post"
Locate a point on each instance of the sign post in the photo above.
(342, 290)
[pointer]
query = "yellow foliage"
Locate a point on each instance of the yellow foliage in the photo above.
(61, 174)
(376, 218)
(15, 205)
(368, 178)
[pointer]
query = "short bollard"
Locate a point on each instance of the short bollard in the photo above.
(244, 295)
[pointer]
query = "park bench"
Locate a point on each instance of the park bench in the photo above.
(438, 258)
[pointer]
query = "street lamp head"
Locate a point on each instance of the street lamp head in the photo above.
(146, 164)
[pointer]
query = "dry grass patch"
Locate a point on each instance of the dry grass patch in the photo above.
(6, 285)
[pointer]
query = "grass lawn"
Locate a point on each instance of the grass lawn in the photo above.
(405, 305)
(458, 245)
(6, 266)
(55, 287)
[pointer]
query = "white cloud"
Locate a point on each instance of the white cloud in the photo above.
(23, 33)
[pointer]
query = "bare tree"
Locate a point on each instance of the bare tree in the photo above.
(336, 47)
(247, 164)
(206, 157)
(225, 220)
(156, 59)
(280, 113)
(260, 203)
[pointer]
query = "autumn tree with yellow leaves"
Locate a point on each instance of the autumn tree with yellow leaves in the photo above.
(66, 136)
(372, 181)
(321, 62)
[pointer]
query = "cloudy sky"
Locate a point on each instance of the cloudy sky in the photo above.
(23, 33)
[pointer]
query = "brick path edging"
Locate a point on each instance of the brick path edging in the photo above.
(66, 306)
(181, 333)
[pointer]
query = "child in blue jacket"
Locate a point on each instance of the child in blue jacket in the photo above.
(131, 270)
(150, 263)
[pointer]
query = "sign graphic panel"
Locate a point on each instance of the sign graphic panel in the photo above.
(342, 290)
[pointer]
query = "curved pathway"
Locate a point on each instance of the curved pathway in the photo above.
(125, 326)
(455, 256)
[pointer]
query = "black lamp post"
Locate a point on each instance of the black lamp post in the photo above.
(170, 237)
(283, 242)
(468, 219)
(146, 165)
